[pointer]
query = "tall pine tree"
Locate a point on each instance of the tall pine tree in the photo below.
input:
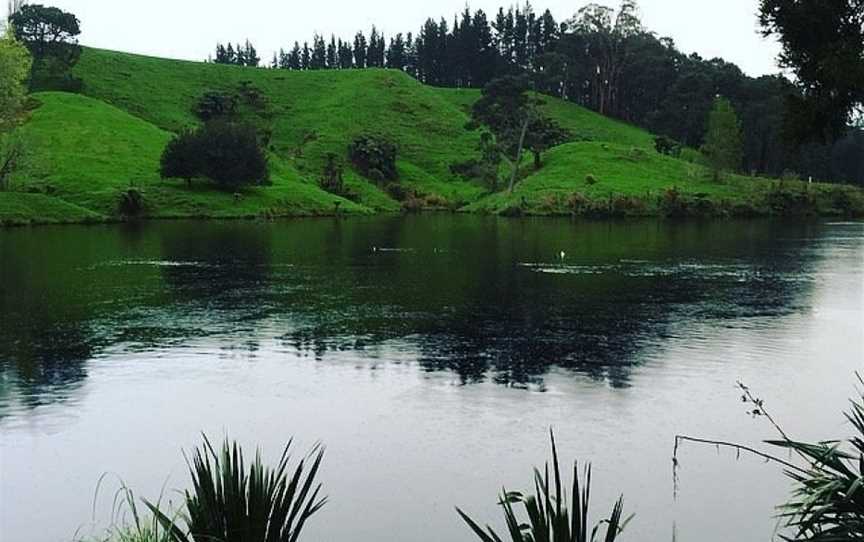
(360, 50)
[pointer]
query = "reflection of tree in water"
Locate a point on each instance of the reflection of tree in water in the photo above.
(218, 278)
(483, 317)
(449, 292)
(217, 262)
(45, 341)
(49, 364)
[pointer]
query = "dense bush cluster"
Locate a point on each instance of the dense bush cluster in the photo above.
(331, 177)
(375, 157)
(245, 104)
(131, 203)
(668, 146)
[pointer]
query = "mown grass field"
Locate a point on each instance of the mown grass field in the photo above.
(85, 150)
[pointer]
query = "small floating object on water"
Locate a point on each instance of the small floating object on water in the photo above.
(374, 249)
(562, 255)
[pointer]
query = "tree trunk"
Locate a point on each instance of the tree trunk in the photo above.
(518, 155)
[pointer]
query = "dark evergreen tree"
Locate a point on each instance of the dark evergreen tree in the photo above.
(396, 53)
(346, 55)
(284, 60)
(319, 53)
(375, 52)
(410, 56)
(306, 57)
(443, 55)
(221, 55)
(332, 53)
(484, 61)
(250, 56)
(295, 58)
(428, 50)
(360, 46)
(520, 37)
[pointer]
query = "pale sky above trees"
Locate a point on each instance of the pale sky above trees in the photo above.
(189, 29)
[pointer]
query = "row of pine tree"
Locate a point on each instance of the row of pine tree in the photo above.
(467, 53)
(601, 58)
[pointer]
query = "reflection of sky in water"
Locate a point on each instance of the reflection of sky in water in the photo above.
(431, 373)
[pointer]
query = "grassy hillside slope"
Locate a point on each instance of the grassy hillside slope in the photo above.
(85, 151)
(582, 123)
(23, 209)
(611, 179)
(315, 112)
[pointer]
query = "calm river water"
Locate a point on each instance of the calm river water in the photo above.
(431, 355)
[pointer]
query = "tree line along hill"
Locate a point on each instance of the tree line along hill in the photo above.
(89, 148)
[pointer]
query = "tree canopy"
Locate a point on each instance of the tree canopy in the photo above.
(51, 35)
(723, 139)
(46, 30)
(227, 153)
(823, 44)
(15, 64)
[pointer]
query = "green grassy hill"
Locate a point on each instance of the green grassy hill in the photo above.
(582, 123)
(86, 150)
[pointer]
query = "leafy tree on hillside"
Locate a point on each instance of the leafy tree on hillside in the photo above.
(723, 141)
(512, 115)
(484, 168)
(181, 157)
(823, 44)
(227, 153)
(543, 133)
(15, 62)
(51, 35)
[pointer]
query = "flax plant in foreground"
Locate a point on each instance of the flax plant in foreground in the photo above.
(550, 518)
(229, 503)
